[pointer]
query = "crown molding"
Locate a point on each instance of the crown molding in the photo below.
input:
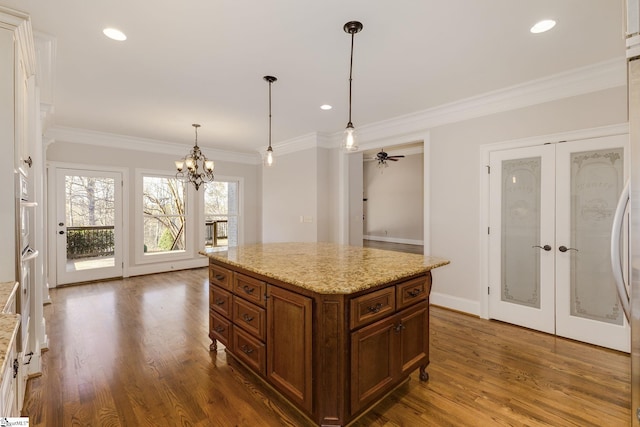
(580, 81)
(110, 140)
(304, 142)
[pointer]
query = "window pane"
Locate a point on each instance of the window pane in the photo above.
(164, 214)
(163, 234)
(90, 201)
(163, 196)
(216, 200)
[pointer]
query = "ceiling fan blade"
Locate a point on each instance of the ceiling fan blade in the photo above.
(393, 160)
(395, 157)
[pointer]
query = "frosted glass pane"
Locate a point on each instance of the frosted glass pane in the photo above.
(596, 183)
(521, 231)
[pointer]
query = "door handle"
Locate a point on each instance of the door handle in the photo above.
(565, 249)
(545, 247)
(60, 232)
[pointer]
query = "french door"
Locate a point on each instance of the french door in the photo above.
(88, 225)
(551, 213)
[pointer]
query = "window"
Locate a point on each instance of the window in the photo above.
(164, 214)
(221, 214)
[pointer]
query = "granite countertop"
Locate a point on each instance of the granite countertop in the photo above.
(327, 268)
(9, 322)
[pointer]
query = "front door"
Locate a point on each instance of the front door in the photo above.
(89, 225)
(551, 214)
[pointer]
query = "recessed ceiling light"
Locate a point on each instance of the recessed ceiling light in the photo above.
(542, 26)
(326, 107)
(114, 34)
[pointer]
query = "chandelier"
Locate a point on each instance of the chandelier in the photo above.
(350, 142)
(199, 168)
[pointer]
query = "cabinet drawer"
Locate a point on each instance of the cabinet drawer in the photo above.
(249, 350)
(376, 305)
(219, 328)
(220, 301)
(249, 317)
(250, 289)
(412, 291)
(220, 276)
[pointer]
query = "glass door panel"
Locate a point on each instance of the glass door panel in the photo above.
(591, 176)
(88, 227)
(521, 270)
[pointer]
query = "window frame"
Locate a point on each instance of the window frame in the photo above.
(239, 214)
(142, 257)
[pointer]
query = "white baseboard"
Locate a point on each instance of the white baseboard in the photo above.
(164, 267)
(394, 240)
(455, 303)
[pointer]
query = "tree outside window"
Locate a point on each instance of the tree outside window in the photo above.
(164, 214)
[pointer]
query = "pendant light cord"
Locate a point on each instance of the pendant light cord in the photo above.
(351, 76)
(270, 114)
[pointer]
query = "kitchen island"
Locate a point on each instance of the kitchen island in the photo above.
(333, 328)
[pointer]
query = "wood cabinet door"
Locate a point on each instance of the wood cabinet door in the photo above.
(289, 345)
(373, 362)
(414, 337)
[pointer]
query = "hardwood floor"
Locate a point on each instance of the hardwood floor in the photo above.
(135, 352)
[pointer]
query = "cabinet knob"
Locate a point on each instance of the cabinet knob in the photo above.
(247, 318)
(414, 293)
(245, 348)
(399, 327)
(219, 328)
(374, 308)
(219, 277)
(219, 301)
(248, 290)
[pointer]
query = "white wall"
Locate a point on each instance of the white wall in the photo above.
(290, 198)
(394, 207)
(456, 173)
(82, 154)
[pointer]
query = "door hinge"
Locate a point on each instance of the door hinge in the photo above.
(488, 290)
(488, 169)
(488, 230)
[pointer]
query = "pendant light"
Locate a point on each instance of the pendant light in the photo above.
(268, 158)
(195, 162)
(350, 141)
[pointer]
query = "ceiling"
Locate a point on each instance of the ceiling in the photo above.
(202, 61)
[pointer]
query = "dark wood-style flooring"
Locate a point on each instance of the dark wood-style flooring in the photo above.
(390, 246)
(135, 352)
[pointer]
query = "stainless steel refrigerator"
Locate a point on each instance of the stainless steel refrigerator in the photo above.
(633, 67)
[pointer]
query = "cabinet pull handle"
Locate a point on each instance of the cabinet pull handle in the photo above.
(374, 308)
(219, 277)
(219, 301)
(247, 318)
(248, 290)
(414, 293)
(219, 328)
(399, 327)
(245, 348)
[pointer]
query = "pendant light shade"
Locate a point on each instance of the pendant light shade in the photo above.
(199, 168)
(268, 158)
(350, 142)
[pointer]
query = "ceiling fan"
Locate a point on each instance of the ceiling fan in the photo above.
(382, 158)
